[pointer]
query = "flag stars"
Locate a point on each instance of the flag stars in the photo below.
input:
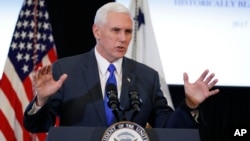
(44, 37)
(27, 13)
(13, 45)
(19, 57)
(46, 15)
(16, 35)
(25, 68)
(31, 39)
(21, 46)
(43, 48)
(38, 36)
(25, 24)
(140, 18)
(29, 2)
(51, 38)
(27, 57)
(29, 46)
(21, 13)
(31, 35)
(32, 24)
(23, 34)
(46, 26)
(41, 3)
(40, 14)
(39, 25)
(19, 24)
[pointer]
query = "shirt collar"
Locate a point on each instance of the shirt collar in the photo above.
(103, 64)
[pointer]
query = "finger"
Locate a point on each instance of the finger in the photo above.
(212, 84)
(209, 78)
(185, 77)
(213, 92)
(49, 69)
(34, 76)
(203, 75)
(62, 79)
(44, 70)
(38, 73)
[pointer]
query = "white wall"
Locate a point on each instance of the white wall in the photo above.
(9, 10)
(192, 37)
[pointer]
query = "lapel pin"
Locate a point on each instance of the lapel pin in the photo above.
(128, 79)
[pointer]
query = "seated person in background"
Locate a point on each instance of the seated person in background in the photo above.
(73, 88)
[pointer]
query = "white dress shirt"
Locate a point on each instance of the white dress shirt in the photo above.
(103, 65)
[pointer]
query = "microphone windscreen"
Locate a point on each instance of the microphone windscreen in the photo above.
(111, 87)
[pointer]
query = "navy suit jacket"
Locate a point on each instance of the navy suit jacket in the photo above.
(79, 102)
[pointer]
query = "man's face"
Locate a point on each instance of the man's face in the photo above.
(114, 36)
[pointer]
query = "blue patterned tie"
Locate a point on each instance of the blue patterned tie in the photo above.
(111, 79)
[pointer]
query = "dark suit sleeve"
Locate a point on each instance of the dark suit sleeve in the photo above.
(165, 116)
(41, 121)
(182, 118)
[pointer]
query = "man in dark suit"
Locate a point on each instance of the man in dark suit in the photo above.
(73, 88)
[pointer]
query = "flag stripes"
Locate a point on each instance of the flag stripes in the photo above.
(32, 46)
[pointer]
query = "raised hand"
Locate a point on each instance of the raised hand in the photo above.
(200, 90)
(44, 85)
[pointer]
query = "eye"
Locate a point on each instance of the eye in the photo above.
(116, 29)
(129, 31)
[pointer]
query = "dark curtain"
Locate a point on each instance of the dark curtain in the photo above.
(72, 24)
(72, 28)
(223, 113)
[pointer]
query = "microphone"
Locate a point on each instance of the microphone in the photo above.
(113, 101)
(135, 100)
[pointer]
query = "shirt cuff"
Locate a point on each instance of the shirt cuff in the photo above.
(34, 109)
(195, 115)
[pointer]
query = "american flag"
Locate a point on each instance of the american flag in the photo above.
(32, 45)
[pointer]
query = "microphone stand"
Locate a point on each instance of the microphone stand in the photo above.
(135, 101)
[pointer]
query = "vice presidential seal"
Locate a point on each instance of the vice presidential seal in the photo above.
(125, 131)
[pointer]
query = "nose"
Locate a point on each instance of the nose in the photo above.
(122, 36)
(125, 36)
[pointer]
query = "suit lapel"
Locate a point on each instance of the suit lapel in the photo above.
(90, 72)
(128, 78)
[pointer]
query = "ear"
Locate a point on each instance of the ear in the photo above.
(96, 31)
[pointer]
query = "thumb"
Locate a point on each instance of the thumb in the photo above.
(185, 78)
(62, 79)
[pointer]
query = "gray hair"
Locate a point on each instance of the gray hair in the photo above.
(102, 12)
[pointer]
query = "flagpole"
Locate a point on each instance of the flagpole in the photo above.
(35, 30)
(135, 18)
